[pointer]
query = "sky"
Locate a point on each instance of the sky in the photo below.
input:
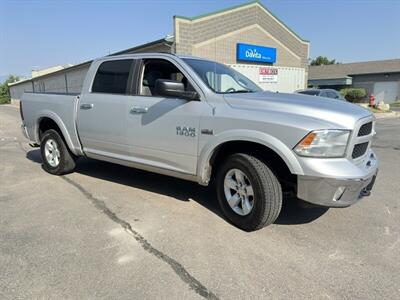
(39, 34)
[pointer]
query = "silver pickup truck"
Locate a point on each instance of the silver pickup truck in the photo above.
(202, 121)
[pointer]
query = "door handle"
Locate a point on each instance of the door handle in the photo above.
(86, 106)
(139, 110)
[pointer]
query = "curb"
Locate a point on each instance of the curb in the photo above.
(11, 105)
(392, 114)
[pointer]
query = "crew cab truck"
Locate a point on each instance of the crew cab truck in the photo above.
(202, 121)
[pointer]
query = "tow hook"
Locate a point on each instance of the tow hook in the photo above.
(365, 192)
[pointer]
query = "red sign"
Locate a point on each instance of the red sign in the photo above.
(267, 74)
(268, 71)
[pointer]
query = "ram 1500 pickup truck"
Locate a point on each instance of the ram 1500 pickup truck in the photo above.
(202, 121)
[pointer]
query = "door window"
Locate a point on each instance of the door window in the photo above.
(112, 77)
(154, 69)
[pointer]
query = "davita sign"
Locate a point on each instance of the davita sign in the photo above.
(247, 52)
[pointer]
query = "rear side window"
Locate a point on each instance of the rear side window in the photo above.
(333, 95)
(112, 77)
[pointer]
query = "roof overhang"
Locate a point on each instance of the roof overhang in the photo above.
(331, 81)
(375, 73)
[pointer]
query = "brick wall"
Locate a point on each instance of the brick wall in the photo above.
(215, 36)
(224, 49)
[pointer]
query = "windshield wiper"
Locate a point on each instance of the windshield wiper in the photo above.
(241, 91)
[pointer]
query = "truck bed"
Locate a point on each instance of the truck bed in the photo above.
(60, 107)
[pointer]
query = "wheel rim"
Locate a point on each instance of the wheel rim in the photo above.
(52, 153)
(239, 192)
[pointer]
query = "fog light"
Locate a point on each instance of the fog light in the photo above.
(339, 193)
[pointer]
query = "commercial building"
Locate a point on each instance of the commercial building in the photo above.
(247, 37)
(380, 78)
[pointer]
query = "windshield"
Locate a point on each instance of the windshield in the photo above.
(220, 78)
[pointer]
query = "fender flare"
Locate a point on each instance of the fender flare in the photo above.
(54, 117)
(269, 141)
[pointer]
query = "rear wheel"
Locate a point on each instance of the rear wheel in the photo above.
(57, 159)
(249, 193)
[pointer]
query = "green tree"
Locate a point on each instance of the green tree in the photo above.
(323, 60)
(4, 89)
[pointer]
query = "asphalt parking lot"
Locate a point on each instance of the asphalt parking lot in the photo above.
(107, 231)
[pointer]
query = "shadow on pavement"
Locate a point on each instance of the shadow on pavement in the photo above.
(293, 212)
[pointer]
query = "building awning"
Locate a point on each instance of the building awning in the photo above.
(343, 71)
(333, 81)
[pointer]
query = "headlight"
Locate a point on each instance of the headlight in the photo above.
(324, 143)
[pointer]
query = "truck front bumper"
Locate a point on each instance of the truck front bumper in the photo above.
(338, 192)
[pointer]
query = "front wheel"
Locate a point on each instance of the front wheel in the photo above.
(248, 192)
(57, 159)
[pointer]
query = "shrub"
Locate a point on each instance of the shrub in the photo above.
(4, 94)
(354, 94)
(4, 100)
(5, 91)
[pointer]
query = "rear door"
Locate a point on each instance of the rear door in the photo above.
(163, 132)
(102, 111)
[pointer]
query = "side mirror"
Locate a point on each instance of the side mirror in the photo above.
(172, 88)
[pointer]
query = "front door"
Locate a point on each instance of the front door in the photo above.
(163, 132)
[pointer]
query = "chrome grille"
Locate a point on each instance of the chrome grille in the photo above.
(365, 129)
(359, 149)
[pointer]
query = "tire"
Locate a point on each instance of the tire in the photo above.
(266, 202)
(56, 147)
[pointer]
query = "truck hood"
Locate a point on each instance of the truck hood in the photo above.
(330, 110)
